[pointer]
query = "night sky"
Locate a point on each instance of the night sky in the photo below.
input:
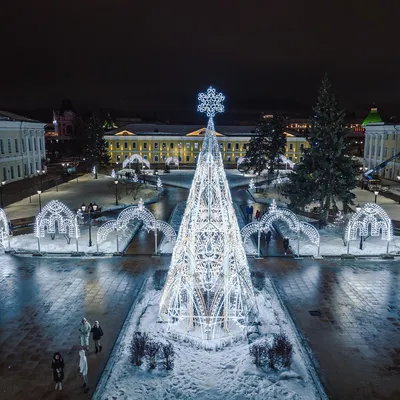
(155, 56)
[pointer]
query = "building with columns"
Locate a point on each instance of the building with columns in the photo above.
(156, 142)
(22, 147)
(382, 141)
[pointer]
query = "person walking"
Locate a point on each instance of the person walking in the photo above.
(286, 244)
(268, 237)
(83, 369)
(84, 330)
(97, 334)
(251, 213)
(57, 364)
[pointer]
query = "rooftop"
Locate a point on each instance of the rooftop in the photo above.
(9, 116)
(373, 117)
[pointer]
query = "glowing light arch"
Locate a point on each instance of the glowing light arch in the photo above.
(172, 161)
(138, 158)
(104, 231)
(370, 216)
(282, 214)
(4, 230)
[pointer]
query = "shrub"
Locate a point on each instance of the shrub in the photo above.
(258, 278)
(159, 278)
(167, 351)
(280, 354)
(151, 350)
(138, 347)
(258, 351)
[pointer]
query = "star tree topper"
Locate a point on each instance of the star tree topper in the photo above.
(211, 102)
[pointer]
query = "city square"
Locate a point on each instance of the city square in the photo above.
(213, 210)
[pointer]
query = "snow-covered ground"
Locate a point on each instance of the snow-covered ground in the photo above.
(225, 373)
(331, 243)
(29, 243)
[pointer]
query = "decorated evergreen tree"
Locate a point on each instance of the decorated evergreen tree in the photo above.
(268, 143)
(327, 173)
(95, 144)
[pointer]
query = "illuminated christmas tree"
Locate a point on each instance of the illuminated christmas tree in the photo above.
(208, 292)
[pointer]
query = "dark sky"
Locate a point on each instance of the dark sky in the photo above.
(157, 55)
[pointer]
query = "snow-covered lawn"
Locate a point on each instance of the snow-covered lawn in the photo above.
(225, 373)
(332, 243)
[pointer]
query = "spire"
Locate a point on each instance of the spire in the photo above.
(373, 117)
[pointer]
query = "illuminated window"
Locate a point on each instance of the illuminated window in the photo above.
(196, 146)
(164, 145)
(187, 145)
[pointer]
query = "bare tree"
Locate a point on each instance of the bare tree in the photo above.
(168, 355)
(151, 351)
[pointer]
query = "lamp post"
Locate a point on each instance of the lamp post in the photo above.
(398, 178)
(116, 192)
(41, 173)
(179, 153)
(3, 183)
(358, 209)
(89, 210)
(39, 192)
(376, 192)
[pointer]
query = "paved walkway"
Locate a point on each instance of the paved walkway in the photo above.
(355, 332)
(41, 305)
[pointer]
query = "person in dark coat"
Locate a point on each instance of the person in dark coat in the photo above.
(286, 244)
(258, 215)
(268, 237)
(58, 370)
(251, 213)
(97, 334)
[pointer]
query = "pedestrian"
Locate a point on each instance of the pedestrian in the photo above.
(58, 370)
(258, 215)
(286, 244)
(268, 237)
(84, 330)
(97, 334)
(83, 369)
(251, 213)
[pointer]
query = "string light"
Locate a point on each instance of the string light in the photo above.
(208, 292)
(105, 230)
(4, 229)
(172, 160)
(56, 216)
(159, 183)
(138, 158)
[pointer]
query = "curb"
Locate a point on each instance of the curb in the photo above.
(307, 353)
(116, 348)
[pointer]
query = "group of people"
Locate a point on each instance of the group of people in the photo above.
(250, 212)
(57, 364)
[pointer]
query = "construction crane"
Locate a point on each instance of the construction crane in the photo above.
(369, 174)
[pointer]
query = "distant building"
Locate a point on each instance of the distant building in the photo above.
(63, 135)
(156, 142)
(22, 147)
(382, 141)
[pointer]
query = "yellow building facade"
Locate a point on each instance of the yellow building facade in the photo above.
(158, 142)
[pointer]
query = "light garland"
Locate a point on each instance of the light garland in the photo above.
(4, 229)
(370, 215)
(208, 292)
(159, 183)
(282, 214)
(311, 232)
(105, 230)
(167, 230)
(136, 157)
(56, 217)
(114, 174)
(172, 160)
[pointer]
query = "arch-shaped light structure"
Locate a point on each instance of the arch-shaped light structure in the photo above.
(56, 217)
(371, 218)
(208, 292)
(104, 231)
(172, 161)
(4, 229)
(138, 158)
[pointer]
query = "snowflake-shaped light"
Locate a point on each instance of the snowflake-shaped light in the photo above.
(211, 102)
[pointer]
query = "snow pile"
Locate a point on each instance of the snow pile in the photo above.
(227, 373)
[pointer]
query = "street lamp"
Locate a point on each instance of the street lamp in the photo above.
(39, 192)
(398, 178)
(376, 192)
(1, 191)
(179, 153)
(116, 192)
(40, 173)
(89, 210)
(358, 209)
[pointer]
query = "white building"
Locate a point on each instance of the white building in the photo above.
(22, 147)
